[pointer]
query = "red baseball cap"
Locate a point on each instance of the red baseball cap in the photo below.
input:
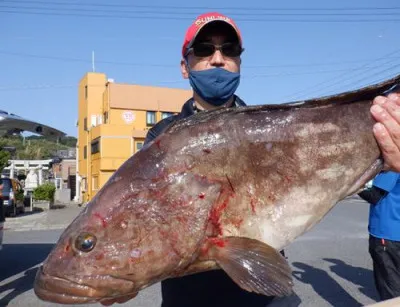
(203, 20)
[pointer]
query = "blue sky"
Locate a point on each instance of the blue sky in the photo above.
(294, 50)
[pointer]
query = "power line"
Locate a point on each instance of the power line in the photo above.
(347, 76)
(252, 76)
(364, 75)
(176, 18)
(67, 59)
(60, 86)
(158, 12)
(157, 7)
(34, 87)
(305, 72)
(81, 60)
(381, 72)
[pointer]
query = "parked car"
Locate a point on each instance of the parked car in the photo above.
(13, 196)
(2, 219)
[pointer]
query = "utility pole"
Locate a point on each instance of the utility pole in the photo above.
(93, 69)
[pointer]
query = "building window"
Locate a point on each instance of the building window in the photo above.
(86, 91)
(84, 185)
(150, 118)
(95, 182)
(139, 146)
(95, 146)
(166, 114)
(85, 152)
(85, 124)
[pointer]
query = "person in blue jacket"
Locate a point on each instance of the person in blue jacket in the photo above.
(384, 230)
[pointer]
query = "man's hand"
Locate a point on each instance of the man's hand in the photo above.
(386, 111)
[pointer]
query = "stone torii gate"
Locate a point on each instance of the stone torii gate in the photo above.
(28, 165)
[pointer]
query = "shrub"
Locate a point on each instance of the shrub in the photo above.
(20, 195)
(45, 191)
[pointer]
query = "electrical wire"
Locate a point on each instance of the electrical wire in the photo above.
(158, 12)
(316, 88)
(168, 16)
(254, 76)
(241, 9)
(80, 60)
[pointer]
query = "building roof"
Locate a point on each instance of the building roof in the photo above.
(14, 124)
(164, 99)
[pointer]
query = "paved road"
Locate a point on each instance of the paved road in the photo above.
(331, 265)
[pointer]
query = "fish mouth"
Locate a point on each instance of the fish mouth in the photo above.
(66, 291)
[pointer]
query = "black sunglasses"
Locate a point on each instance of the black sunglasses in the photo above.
(208, 49)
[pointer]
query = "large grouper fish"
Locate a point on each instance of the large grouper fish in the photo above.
(223, 189)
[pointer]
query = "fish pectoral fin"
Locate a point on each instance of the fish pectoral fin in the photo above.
(253, 265)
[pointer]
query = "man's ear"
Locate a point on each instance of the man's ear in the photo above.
(184, 69)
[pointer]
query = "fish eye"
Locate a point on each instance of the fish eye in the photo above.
(85, 242)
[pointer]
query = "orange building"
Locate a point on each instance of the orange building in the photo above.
(112, 125)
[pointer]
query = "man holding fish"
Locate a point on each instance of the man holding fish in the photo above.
(179, 210)
(211, 61)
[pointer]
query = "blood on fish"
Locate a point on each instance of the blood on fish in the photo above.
(206, 150)
(164, 233)
(157, 142)
(99, 256)
(237, 222)
(103, 221)
(252, 200)
(129, 196)
(271, 196)
(253, 205)
(218, 242)
(182, 219)
(201, 195)
(286, 178)
(215, 215)
(214, 241)
(178, 203)
(230, 183)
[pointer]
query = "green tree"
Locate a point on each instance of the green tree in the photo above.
(4, 157)
(36, 147)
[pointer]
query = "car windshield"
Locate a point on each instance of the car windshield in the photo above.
(5, 184)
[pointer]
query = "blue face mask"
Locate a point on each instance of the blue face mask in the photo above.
(215, 85)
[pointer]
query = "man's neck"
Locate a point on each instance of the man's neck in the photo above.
(201, 104)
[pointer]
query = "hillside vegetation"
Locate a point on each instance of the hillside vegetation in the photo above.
(34, 147)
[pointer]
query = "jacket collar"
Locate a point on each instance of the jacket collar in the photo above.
(189, 108)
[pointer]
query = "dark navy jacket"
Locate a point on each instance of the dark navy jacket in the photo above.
(207, 289)
(187, 110)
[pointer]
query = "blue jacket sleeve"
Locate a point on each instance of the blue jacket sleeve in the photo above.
(386, 180)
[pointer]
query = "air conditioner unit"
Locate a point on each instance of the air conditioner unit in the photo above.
(94, 120)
